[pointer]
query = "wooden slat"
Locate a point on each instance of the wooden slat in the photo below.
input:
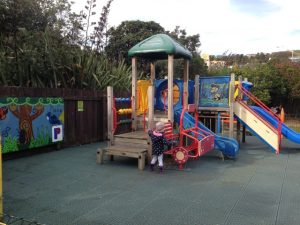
(131, 149)
(129, 144)
(121, 153)
(131, 141)
(134, 135)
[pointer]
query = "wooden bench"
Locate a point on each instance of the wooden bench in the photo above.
(125, 147)
(140, 154)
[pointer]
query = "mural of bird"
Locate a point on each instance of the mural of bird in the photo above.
(53, 119)
(3, 112)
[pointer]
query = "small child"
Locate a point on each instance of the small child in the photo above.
(158, 142)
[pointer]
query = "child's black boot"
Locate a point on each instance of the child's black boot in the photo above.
(160, 169)
(151, 167)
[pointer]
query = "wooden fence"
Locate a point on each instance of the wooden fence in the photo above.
(80, 127)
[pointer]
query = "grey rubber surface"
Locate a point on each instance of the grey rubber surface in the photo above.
(67, 187)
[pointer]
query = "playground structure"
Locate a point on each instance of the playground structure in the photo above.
(153, 101)
(155, 48)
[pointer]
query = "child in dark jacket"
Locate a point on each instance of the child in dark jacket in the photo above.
(158, 143)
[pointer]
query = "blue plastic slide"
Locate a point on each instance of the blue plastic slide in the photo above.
(285, 130)
(228, 146)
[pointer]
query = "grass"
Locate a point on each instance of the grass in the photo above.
(42, 139)
(293, 124)
(10, 144)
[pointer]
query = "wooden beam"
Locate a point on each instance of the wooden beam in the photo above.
(197, 89)
(244, 127)
(231, 103)
(110, 118)
(238, 124)
(185, 83)
(1, 178)
(150, 94)
(133, 92)
(152, 72)
(170, 87)
(150, 119)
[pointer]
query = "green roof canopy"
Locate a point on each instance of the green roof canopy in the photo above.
(159, 46)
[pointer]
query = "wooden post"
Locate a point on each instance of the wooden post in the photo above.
(133, 92)
(238, 124)
(100, 156)
(1, 190)
(238, 131)
(197, 89)
(110, 117)
(152, 73)
(170, 87)
(244, 127)
(231, 102)
(141, 162)
(150, 93)
(185, 83)
(240, 94)
(244, 134)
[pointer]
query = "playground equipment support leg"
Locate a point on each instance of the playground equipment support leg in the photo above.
(244, 134)
(219, 123)
(1, 190)
(231, 100)
(110, 98)
(170, 87)
(238, 132)
(133, 92)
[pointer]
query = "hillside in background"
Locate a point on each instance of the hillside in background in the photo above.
(243, 59)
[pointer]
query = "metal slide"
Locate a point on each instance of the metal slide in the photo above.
(258, 125)
(285, 130)
(228, 146)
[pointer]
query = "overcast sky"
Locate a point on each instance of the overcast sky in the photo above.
(235, 26)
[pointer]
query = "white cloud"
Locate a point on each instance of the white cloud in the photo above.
(220, 27)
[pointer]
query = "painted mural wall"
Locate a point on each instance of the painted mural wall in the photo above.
(214, 91)
(27, 123)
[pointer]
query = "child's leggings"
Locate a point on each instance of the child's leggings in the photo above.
(160, 159)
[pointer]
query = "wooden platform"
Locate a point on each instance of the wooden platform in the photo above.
(133, 144)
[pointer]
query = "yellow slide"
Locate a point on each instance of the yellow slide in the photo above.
(142, 98)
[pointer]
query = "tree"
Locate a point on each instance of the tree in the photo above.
(100, 31)
(197, 67)
(128, 34)
(290, 74)
(40, 46)
(192, 43)
(26, 114)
